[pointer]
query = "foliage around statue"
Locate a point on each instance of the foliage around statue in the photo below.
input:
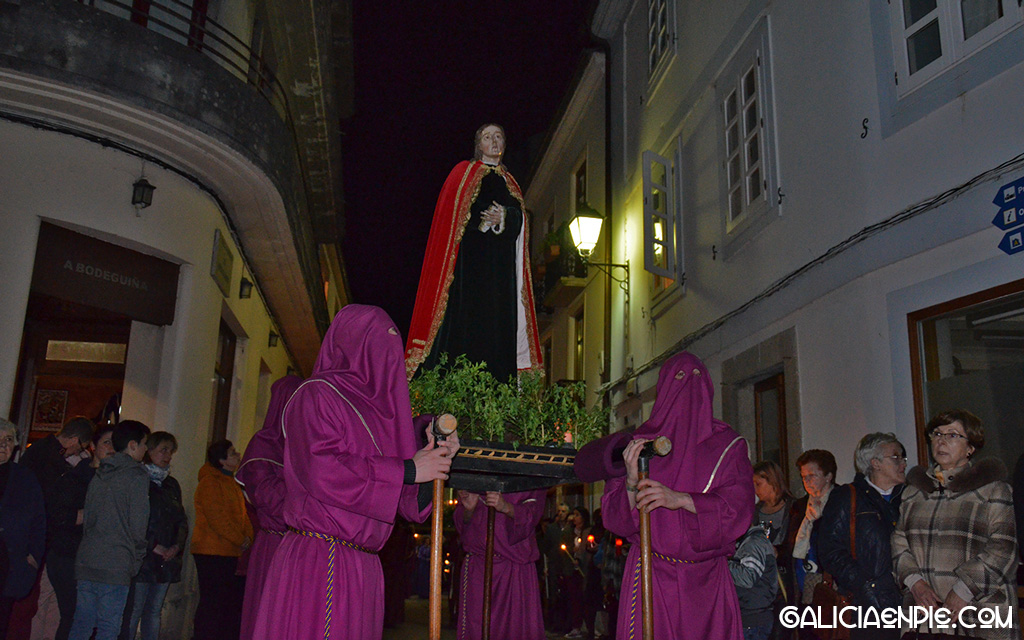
(522, 411)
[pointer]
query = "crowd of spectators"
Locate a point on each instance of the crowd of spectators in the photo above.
(98, 512)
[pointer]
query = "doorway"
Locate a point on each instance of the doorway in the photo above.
(72, 364)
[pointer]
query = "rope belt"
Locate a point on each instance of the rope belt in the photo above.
(333, 542)
(636, 587)
(274, 532)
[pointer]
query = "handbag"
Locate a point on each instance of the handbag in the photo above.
(826, 598)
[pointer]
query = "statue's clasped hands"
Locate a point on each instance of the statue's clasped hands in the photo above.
(492, 218)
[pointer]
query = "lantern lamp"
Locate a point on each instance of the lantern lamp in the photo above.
(142, 194)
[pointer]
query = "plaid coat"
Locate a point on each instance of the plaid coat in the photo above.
(962, 532)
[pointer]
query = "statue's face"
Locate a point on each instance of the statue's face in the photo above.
(492, 144)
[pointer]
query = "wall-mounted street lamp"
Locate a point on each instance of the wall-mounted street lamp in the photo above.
(585, 229)
(272, 339)
(142, 195)
(245, 288)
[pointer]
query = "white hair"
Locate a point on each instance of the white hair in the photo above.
(869, 449)
(6, 426)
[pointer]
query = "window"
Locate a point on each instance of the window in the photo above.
(658, 225)
(749, 174)
(662, 231)
(580, 186)
(770, 420)
(659, 40)
(968, 353)
(743, 138)
(223, 372)
(932, 35)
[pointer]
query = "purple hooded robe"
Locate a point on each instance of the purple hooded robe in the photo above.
(261, 475)
(348, 430)
(694, 597)
(515, 590)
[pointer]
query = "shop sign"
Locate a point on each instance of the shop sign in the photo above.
(79, 268)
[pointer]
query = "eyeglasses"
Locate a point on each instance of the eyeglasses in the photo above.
(898, 459)
(952, 436)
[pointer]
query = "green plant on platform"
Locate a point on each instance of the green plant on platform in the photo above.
(522, 411)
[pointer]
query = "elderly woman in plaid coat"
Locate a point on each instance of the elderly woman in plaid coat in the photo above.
(955, 544)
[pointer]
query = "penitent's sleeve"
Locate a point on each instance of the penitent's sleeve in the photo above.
(723, 513)
(333, 455)
(616, 513)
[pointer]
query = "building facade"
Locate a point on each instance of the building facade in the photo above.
(180, 305)
(820, 202)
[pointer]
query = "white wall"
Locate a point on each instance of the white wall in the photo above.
(69, 181)
(580, 137)
(849, 313)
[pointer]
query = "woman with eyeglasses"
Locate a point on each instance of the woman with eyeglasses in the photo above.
(955, 545)
(865, 571)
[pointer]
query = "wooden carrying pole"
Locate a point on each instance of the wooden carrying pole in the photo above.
(442, 427)
(488, 568)
(661, 447)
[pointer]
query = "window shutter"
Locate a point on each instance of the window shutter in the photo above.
(659, 232)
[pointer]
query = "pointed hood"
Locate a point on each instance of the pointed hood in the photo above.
(362, 358)
(683, 412)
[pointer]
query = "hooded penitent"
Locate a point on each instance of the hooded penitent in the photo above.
(694, 596)
(348, 430)
(261, 475)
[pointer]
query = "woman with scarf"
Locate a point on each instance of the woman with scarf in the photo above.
(165, 540)
(818, 473)
(700, 500)
(351, 466)
(261, 475)
(955, 544)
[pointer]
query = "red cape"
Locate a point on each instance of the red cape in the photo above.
(450, 218)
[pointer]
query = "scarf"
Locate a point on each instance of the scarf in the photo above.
(803, 535)
(157, 474)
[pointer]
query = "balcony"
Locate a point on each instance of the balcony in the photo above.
(209, 98)
(561, 277)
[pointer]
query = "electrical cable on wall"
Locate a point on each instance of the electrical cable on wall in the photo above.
(909, 213)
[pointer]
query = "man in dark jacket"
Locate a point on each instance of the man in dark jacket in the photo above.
(881, 464)
(64, 485)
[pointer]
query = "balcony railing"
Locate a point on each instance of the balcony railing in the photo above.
(561, 277)
(188, 23)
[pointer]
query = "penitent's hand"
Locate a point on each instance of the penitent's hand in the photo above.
(498, 501)
(434, 461)
(652, 495)
(631, 455)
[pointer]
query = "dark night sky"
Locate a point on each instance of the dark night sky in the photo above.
(426, 77)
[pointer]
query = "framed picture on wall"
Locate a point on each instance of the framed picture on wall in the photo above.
(48, 415)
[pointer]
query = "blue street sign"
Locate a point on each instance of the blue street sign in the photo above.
(1010, 195)
(1012, 242)
(1010, 218)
